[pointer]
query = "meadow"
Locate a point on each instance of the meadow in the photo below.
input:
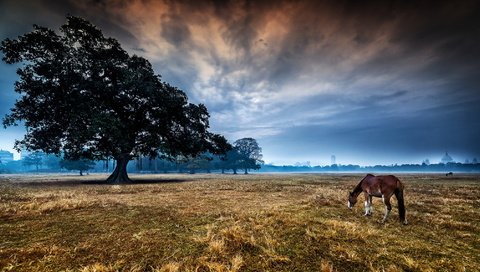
(256, 222)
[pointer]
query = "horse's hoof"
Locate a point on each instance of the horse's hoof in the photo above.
(405, 222)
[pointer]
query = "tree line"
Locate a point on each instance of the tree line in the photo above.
(473, 166)
(244, 155)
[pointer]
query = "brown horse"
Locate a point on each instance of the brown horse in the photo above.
(379, 186)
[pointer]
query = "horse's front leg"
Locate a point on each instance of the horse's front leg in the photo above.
(388, 207)
(368, 205)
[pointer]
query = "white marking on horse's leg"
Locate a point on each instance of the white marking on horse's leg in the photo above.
(387, 213)
(367, 208)
(349, 204)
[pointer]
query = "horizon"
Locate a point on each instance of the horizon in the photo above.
(371, 83)
(17, 157)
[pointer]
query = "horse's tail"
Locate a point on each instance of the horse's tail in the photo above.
(401, 202)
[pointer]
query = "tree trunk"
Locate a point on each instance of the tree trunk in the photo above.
(81, 173)
(245, 166)
(120, 175)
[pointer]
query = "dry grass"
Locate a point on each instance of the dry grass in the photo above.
(234, 223)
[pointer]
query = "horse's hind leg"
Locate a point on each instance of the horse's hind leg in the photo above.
(388, 207)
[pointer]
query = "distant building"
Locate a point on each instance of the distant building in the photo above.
(333, 160)
(446, 158)
(5, 156)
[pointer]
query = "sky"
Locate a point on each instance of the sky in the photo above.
(371, 82)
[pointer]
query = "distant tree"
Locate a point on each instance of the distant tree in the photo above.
(80, 165)
(34, 159)
(223, 160)
(106, 164)
(220, 162)
(198, 163)
(205, 162)
(232, 160)
(139, 163)
(249, 153)
(85, 96)
(474, 161)
(52, 162)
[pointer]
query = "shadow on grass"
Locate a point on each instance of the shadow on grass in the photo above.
(135, 181)
(72, 182)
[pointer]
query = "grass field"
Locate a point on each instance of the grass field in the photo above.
(234, 223)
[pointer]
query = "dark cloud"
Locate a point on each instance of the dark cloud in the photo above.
(175, 31)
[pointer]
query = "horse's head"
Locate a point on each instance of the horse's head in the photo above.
(352, 199)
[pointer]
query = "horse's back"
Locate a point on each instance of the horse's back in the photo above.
(391, 181)
(382, 182)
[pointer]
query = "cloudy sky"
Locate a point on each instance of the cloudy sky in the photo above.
(369, 82)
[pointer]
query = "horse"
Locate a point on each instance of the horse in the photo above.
(380, 186)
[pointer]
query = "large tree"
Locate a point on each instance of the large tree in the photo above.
(249, 154)
(84, 96)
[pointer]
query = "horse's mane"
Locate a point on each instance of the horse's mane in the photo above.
(358, 188)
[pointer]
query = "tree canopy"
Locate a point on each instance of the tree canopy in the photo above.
(80, 165)
(248, 154)
(34, 159)
(84, 96)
